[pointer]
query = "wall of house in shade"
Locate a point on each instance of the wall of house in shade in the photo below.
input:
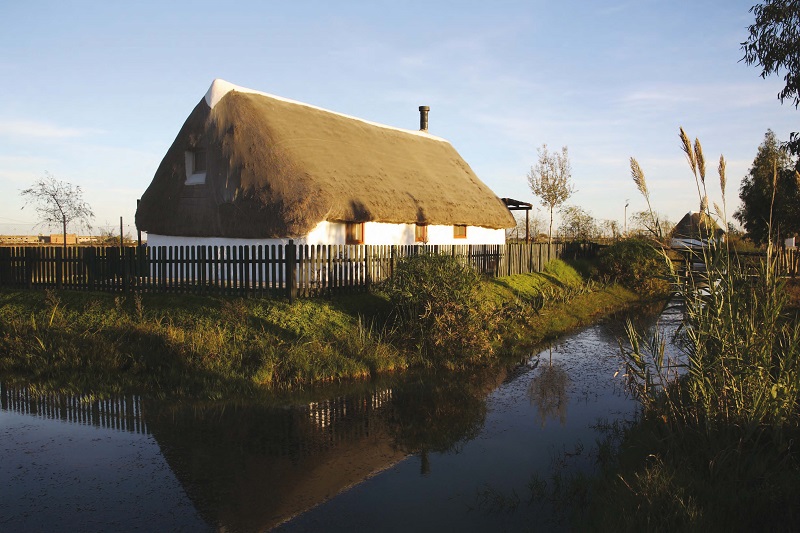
(336, 232)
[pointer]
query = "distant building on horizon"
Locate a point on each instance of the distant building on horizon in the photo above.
(56, 239)
(696, 230)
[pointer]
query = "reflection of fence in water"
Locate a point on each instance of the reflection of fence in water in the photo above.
(123, 413)
(327, 412)
(335, 419)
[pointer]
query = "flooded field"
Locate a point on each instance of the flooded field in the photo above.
(417, 452)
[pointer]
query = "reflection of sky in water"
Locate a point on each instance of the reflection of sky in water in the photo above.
(243, 468)
(62, 476)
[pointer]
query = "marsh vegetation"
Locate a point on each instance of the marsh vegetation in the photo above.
(715, 444)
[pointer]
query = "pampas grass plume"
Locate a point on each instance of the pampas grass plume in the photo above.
(638, 178)
(686, 146)
(701, 160)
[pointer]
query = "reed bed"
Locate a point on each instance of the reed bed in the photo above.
(715, 444)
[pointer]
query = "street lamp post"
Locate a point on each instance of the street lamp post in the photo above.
(625, 220)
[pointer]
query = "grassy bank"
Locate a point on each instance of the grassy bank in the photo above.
(188, 345)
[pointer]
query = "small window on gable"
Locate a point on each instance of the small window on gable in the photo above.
(459, 231)
(199, 161)
(421, 233)
(354, 233)
(195, 161)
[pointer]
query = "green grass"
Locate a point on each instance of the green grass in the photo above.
(211, 346)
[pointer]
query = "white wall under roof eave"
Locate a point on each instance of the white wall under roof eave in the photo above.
(334, 233)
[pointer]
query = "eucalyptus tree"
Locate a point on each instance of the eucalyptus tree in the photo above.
(773, 44)
(770, 194)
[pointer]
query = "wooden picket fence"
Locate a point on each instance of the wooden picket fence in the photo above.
(277, 271)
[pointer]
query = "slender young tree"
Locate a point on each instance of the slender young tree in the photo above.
(58, 203)
(550, 181)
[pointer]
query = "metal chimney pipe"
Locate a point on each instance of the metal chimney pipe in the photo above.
(423, 117)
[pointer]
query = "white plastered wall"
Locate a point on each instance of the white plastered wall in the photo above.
(334, 233)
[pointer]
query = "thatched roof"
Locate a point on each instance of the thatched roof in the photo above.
(698, 226)
(276, 168)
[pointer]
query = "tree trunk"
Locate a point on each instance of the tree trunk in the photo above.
(550, 232)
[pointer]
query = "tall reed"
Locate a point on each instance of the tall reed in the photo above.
(740, 364)
(714, 446)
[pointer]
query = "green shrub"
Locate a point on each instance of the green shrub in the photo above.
(437, 305)
(636, 264)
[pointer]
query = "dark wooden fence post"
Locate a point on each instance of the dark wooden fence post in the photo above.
(5, 266)
(90, 261)
(290, 260)
(59, 268)
(125, 256)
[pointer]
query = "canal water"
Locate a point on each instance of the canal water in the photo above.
(422, 452)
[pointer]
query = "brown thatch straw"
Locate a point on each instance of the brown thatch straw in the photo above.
(696, 226)
(277, 168)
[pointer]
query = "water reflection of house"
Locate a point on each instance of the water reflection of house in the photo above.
(246, 468)
(249, 468)
(252, 467)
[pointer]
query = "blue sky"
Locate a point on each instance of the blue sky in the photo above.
(95, 92)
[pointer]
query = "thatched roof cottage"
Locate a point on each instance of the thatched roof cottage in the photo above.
(251, 168)
(696, 230)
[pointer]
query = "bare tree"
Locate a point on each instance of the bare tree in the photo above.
(58, 202)
(610, 228)
(577, 223)
(652, 224)
(550, 180)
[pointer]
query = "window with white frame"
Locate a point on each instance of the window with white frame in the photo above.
(195, 166)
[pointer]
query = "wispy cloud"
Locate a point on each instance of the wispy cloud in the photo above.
(41, 130)
(741, 95)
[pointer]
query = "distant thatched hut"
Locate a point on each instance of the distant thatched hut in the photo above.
(696, 230)
(251, 168)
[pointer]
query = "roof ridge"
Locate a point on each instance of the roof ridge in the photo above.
(219, 88)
